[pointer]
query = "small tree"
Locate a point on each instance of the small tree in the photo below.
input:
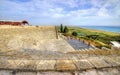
(74, 33)
(65, 29)
(61, 28)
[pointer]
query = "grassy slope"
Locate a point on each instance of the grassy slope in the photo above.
(103, 38)
(92, 31)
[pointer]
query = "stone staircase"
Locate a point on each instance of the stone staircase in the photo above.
(74, 65)
(37, 51)
(96, 51)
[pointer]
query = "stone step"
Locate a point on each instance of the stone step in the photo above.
(65, 65)
(98, 63)
(25, 73)
(83, 64)
(46, 65)
(77, 62)
(73, 57)
(117, 59)
(110, 61)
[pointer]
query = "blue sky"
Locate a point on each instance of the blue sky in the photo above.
(68, 12)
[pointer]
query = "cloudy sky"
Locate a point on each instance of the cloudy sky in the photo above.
(55, 12)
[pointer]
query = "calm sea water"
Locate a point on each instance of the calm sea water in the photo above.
(105, 28)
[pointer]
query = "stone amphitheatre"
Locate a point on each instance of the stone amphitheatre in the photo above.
(41, 50)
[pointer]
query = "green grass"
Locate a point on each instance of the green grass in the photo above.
(103, 38)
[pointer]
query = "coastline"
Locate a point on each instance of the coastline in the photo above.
(113, 29)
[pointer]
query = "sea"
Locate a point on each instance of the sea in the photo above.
(115, 29)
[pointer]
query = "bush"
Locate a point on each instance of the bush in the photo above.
(37, 26)
(74, 33)
(92, 36)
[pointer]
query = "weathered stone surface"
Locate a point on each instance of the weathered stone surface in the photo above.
(106, 71)
(116, 59)
(98, 63)
(4, 64)
(25, 73)
(23, 64)
(46, 65)
(65, 65)
(37, 49)
(35, 38)
(54, 73)
(111, 61)
(83, 64)
(73, 57)
(5, 72)
(31, 64)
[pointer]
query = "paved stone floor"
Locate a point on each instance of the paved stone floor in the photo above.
(77, 44)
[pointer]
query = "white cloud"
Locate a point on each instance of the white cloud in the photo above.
(57, 15)
(65, 11)
(55, 10)
(103, 12)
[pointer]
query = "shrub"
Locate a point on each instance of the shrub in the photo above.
(92, 36)
(74, 33)
(37, 26)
